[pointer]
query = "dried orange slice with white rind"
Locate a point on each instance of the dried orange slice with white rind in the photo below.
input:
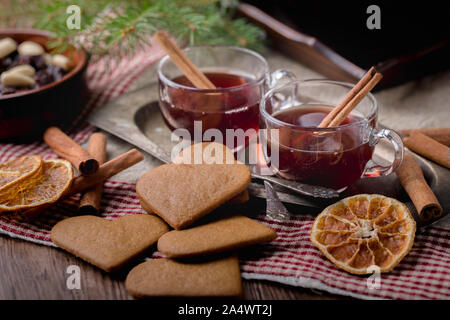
(365, 233)
(16, 170)
(45, 188)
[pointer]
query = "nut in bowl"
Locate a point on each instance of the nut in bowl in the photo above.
(38, 88)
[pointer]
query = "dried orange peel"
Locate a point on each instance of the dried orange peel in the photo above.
(19, 169)
(365, 233)
(39, 189)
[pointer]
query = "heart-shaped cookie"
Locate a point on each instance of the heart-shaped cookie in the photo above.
(205, 153)
(170, 278)
(229, 233)
(183, 193)
(108, 244)
(208, 153)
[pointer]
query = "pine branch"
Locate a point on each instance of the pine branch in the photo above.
(116, 28)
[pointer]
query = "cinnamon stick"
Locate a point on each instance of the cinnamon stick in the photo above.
(68, 149)
(411, 178)
(198, 79)
(429, 148)
(342, 115)
(441, 135)
(105, 171)
(350, 95)
(91, 199)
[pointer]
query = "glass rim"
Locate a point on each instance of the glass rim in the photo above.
(349, 85)
(256, 82)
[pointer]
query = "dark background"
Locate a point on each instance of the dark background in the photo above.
(406, 26)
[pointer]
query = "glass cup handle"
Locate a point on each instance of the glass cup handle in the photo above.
(375, 169)
(278, 75)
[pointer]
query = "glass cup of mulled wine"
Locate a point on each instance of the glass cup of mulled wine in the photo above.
(333, 157)
(241, 78)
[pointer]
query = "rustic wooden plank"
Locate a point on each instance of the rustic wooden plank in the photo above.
(265, 290)
(32, 271)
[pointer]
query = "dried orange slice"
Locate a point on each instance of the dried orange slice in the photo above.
(37, 190)
(18, 169)
(365, 233)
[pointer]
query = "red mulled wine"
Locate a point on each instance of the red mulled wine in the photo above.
(235, 105)
(333, 158)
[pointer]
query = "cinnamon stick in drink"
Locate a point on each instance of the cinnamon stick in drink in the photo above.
(411, 178)
(350, 95)
(198, 79)
(441, 135)
(360, 95)
(352, 99)
(428, 148)
(91, 199)
(68, 149)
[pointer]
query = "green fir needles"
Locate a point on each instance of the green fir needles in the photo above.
(116, 28)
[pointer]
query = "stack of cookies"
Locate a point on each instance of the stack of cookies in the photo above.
(198, 239)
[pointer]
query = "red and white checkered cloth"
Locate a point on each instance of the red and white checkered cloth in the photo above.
(290, 259)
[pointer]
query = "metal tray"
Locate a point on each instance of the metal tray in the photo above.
(135, 117)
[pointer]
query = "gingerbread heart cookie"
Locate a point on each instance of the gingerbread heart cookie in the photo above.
(205, 153)
(242, 197)
(229, 233)
(183, 193)
(208, 153)
(108, 244)
(170, 278)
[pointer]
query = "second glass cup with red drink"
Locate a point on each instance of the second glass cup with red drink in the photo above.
(333, 157)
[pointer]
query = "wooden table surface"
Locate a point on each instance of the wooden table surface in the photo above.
(33, 271)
